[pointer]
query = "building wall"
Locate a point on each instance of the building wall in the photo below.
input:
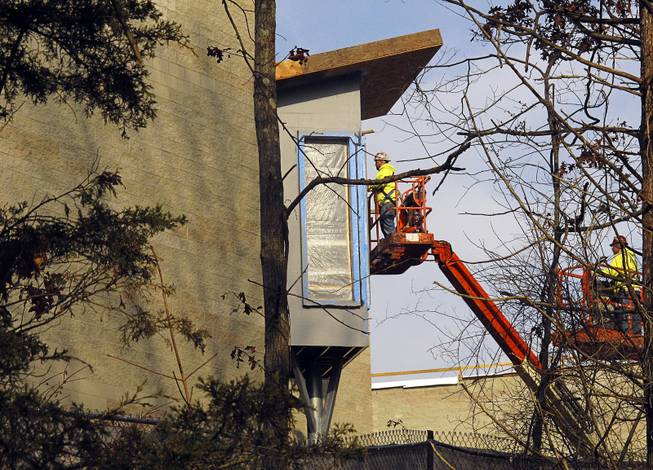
(324, 109)
(198, 158)
(354, 401)
(467, 406)
(332, 106)
(445, 407)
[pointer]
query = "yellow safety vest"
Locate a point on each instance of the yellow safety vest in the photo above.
(623, 267)
(385, 192)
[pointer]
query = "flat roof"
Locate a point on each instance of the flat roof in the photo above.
(440, 376)
(386, 68)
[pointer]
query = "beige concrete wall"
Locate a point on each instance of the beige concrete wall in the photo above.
(505, 398)
(198, 158)
(354, 402)
(444, 407)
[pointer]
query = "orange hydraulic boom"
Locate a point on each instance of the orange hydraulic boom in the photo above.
(494, 321)
(592, 333)
(412, 244)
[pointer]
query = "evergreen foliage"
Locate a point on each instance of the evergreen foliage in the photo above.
(84, 51)
(61, 257)
(77, 254)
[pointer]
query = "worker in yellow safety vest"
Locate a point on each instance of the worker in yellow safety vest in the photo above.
(622, 267)
(386, 194)
(623, 271)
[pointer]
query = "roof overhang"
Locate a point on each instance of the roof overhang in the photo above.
(386, 68)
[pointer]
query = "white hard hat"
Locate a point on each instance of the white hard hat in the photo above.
(381, 157)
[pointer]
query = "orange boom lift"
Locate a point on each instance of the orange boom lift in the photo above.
(589, 328)
(412, 244)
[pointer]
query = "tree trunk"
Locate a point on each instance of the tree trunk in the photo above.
(274, 228)
(547, 295)
(646, 150)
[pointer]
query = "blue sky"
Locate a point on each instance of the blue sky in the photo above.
(326, 25)
(403, 319)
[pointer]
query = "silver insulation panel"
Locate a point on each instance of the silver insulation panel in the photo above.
(327, 225)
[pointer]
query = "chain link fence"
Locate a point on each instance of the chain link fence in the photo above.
(429, 450)
(414, 449)
(478, 441)
(391, 437)
(400, 449)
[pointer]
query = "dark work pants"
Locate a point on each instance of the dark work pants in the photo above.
(618, 315)
(622, 316)
(387, 218)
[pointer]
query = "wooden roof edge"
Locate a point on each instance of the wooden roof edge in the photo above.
(458, 368)
(349, 57)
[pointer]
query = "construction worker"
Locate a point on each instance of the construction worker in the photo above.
(623, 271)
(385, 194)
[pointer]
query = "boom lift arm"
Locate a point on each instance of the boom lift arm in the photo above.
(567, 413)
(411, 244)
(479, 302)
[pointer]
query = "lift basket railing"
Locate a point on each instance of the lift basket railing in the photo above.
(410, 209)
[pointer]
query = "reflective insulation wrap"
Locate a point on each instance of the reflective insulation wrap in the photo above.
(327, 225)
